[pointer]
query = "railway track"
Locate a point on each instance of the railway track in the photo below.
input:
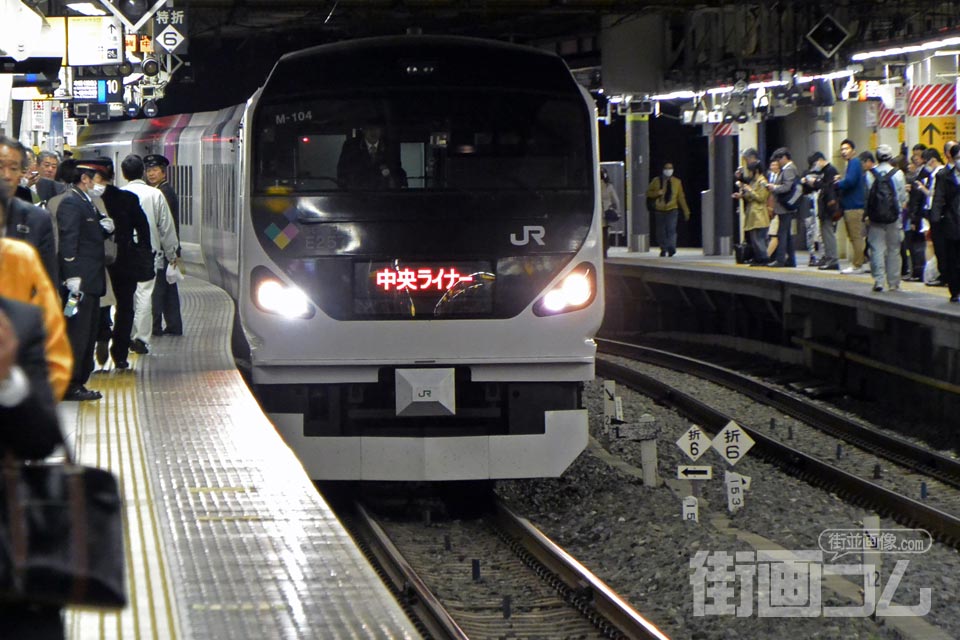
(492, 577)
(909, 511)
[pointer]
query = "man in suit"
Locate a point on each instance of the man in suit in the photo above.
(25, 221)
(166, 296)
(134, 261)
(27, 410)
(82, 263)
(368, 161)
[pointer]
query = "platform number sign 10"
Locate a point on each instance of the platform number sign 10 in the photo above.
(694, 442)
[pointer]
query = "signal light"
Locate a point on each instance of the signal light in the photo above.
(150, 67)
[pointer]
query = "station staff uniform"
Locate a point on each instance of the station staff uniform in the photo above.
(82, 256)
(163, 241)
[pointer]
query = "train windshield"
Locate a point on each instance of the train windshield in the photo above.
(436, 140)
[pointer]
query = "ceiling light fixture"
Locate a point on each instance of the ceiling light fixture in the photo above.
(907, 49)
(86, 8)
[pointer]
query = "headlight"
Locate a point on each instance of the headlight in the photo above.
(574, 292)
(270, 294)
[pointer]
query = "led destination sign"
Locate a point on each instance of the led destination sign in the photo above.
(97, 90)
(423, 289)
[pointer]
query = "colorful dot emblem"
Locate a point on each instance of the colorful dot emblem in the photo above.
(282, 237)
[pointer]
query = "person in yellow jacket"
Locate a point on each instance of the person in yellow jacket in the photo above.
(666, 192)
(23, 278)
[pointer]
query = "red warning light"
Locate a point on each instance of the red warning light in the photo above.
(305, 140)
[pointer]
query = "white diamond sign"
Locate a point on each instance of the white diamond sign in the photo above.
(170, 39)
(694, 442)
(732, 443)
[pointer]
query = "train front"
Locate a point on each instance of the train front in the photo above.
(421, 263)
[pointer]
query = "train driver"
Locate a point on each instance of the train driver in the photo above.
(370, 161)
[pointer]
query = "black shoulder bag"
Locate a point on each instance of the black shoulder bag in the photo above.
(61, 535)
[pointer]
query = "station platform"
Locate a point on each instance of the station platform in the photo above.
(874, 343)
(226, 536)
(928, 301)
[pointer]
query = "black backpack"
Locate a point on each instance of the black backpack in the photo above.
(882, 204)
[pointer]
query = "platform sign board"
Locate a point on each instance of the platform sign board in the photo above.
(70, 131)
(694, 442)
(40, 115)
(935, 131)
(93, 40)
(99, 90)
(694, 472)
(733, 443)
(900, 101)
(691, 509)
(170, 30)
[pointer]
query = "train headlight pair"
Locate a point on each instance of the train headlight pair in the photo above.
(575, 291)
(270, 294)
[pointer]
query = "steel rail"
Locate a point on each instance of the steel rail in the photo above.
(583, 588)
(413, 593)
(893, 448)
(910, 512)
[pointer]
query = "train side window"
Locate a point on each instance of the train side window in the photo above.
(413, 161)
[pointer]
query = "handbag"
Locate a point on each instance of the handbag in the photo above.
(742, 252)
(109, 251)
(61, 535)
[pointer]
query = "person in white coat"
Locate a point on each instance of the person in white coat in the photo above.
(163, 240)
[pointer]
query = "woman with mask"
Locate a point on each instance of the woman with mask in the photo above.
(753, 192)
(666, 192)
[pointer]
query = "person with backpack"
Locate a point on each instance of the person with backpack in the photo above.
(886, 199)
(786, 192)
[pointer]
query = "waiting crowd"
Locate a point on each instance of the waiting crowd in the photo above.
(101, 262)
(890, 207)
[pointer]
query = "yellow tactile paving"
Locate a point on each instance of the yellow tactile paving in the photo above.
(108, 435)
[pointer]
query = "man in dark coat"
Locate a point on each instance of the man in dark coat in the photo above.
(368, 161)
(166, 296)
(82, 232)
(134, 262)
(29, 430)
(25, 221)
(28, 415)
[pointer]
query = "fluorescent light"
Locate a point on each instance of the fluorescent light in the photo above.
(86, 8)
(676, 95)
(846, 73)
(906, 49)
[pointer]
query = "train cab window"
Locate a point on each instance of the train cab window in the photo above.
(451, 139)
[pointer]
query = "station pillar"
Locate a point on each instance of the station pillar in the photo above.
(638, 180)
(717, 223)
(839, 118)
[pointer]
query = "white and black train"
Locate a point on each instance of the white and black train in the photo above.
(410, 229)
